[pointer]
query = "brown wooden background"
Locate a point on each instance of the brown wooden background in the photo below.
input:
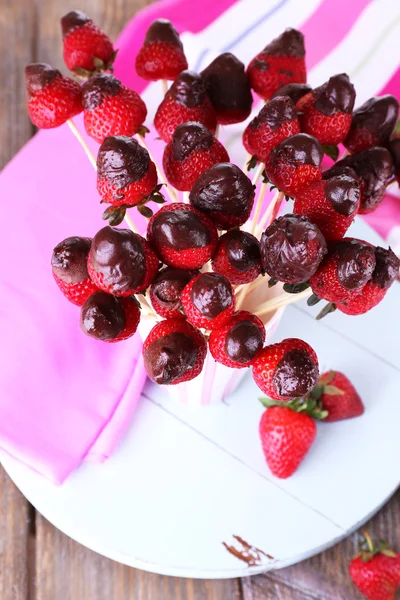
(36, 561)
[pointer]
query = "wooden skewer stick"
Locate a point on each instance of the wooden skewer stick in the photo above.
(271, 212)
(164, 84)
(282, 300)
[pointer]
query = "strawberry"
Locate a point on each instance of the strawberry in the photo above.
(276, 121)
(186, 100)
(238, 342)
(326, 112)
(286, 370)
(331, 204)
(228, 88)
(292, 249)
(372, 123)
(238, 257)
(225, 194)
(52, 98)
(162, 55)
(69, 265)
(376, 570)
(336, 394)
(182, 236)
(281, 62)
(111, 108)
(191, 151)
(208, 301)
(394, 148)
(121, 262)
(294, 163)
(173, 352)
(295, 91)
(86, 47)
(166, 289)
(108, 318)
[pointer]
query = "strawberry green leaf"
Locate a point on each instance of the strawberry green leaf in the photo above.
(331, 150)
(332, 390)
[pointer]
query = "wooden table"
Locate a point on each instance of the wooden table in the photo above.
(37, 562)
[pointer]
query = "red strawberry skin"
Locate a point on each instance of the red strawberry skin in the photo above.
(377, 578)
(132, 318)
(286, 437)
(370, 296)
(76, 293)
(69, 266)
(132, 194)
(344, 405)
(238, 257)
(213, 294)
(228, 341)
(160, 60)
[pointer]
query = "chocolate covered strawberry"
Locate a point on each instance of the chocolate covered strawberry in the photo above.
(281, 62)
(182, 236)
(326, 112)
(162, 55)
(295, 91)
(191, 151)
(238, 342)
(331, 204)
(174, 352)
(394, 148)
(166, 289)
(238, 257)
(52, 98)
(121, 262)
(111, 108)
(228, 88)
(292, 249)
(335, 394)
(86, 47)
(372, 123)
(108, 318)
(294, 163)
(225, 194)
(286, 370)
(276, 121)
(186, 100)
(208, 301)
(69, 265)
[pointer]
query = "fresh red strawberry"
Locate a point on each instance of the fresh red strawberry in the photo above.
(52, 98)
(121, 262)
(182, 236)
(228, 88)
(326, 112)
(86, 47)
(336, 394)
(161, 56)
(191, 151)
(376, 570)
(294, 163)
(111, 108)
(237, 343)
(286, 370)
(394, 148)
(166, 289)
(225, 194)
(331, 204)
(385, 273)
(374, 170)
(69, 265)
(238, 257)
(281, 62)
(276, 121)
(208, 301)
(372, 123)
(186, 100)
(295, 91)
(292, 249)
(108, 318)
(174, 352)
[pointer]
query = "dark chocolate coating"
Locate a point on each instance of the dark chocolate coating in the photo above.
(295, 375)
(180, 230)
(343, 192)
(377, 115)
(243, 340)
(394, 148)
(37, 76)
(188, 89)
(242, 249)
(224, 188)
(162, 30)
(299, 149)
(168, 285)
(98, 87)
(386, 268)
(102, 316)
(69, 259)
(356, 263)
(275, 113)
(211, 294)
(72, 20)
(335, 96)
(295, 91)
(169, 357)
(121, 160)
(188, 137)
(289, 43)
(119, 256)
(292, 248)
